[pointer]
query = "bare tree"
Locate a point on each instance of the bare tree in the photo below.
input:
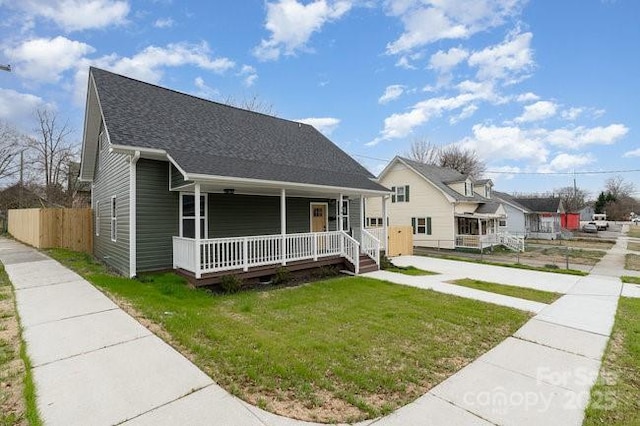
(12, 143)
(573, 198)
(423, 151)
(252, 103)
(464, 161)
(52, 152)
(618, 187)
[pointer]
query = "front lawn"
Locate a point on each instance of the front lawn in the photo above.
(338, 350)
(633, 246)
(634, 231)
(632, 262)
(630, 279)
(509, 290)
(410, 270)
(615, 398)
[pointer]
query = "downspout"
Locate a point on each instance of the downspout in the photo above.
(132, 213)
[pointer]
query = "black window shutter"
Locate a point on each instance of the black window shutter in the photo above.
(428, 226)
(406, 193)
(393, 196)
(413, 225)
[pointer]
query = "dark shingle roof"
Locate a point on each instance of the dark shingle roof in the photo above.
(508, 199)
(440, 176)
(489, 207)
(214, 139)
(540, 205)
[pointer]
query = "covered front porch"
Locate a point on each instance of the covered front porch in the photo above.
(480, 232)
(244, 229)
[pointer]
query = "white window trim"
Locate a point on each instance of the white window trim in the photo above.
(206, 212)
(425, 226)
(96, 224)
(345, 202)
(404, 194)
(113, 209)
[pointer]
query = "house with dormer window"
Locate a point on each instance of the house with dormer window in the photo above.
(445, 208)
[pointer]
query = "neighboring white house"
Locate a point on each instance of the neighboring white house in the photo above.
(445, 208)
(544, 218)
(515, 222)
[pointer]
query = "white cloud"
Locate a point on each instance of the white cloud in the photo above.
(249, 74)
(538, 111)
(527, 97)
(427, 21)
(400, 125)
(391, 93)
(494, 143)
(510, 60)
(578, 137)
(18, 108)
(292, 23)
(163, 23)
(633, 153)
(325, 125)
(572, 113)
(44, 59)
(467, 112)
(204, 90)
(149, 64)
(445, 61)
(76, 15)
(564, 162)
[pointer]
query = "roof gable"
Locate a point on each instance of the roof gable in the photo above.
(210, 138)
(541, 205)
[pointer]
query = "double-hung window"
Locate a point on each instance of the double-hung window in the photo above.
(421, 225)
(400, 194)
(188, 215)
(374, 222)
(114, 219)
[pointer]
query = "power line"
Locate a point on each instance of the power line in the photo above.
(585, 172)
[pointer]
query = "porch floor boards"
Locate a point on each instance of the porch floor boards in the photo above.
(261, 271)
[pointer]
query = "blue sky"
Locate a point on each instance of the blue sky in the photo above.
(535, 87)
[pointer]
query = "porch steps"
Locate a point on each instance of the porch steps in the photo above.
(367, 264)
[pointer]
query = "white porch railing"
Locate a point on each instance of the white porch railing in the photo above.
(510, 241)
(223, 254)
(378, 234)
(370, 245)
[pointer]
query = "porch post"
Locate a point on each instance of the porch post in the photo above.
(385, 228)
(283, 225)
(197, 228)
(361, 216)
(339, 216)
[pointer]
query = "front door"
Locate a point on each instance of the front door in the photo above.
(318, 217)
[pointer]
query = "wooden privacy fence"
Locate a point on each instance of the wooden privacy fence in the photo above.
(48, 228)
(400, 241)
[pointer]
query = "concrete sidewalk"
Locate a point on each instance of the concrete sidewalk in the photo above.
(92, 363)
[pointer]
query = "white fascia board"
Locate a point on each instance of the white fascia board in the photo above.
(279, 184)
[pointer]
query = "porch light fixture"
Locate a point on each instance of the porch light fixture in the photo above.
(229, 191)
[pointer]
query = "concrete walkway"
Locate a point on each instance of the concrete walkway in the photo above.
(92, 363)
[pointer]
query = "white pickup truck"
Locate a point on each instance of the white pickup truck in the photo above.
(600, 220)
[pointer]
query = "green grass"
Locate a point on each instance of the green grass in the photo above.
(634, 231)
(514, 265)
(615, 398)
(629, 279)
(338, 350)
(17, 394)
(507, 290)
(410, 270)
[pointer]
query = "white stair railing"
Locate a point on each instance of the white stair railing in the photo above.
(351, 251)
(370, 246)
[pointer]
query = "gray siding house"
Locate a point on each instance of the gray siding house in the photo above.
(515, 220)
(185, 183)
